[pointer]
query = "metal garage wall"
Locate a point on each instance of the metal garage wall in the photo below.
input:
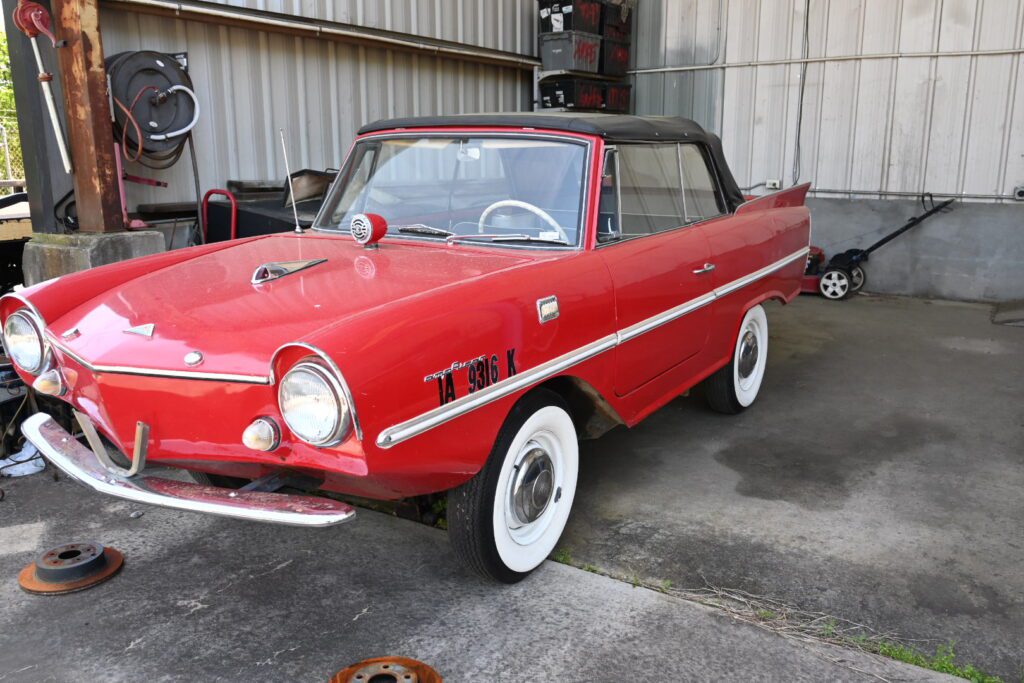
(498, 24)
(673, 33)
(251, 83)
(943, 124)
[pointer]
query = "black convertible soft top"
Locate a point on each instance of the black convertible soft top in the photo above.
(612, 127)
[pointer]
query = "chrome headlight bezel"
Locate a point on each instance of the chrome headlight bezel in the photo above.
(343, 423)
(36, 325)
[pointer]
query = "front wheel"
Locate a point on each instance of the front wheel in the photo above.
(835, 284)
(507, 519)
(732, 389)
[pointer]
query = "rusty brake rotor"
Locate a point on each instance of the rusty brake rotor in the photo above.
(70, 567)
(387, 670)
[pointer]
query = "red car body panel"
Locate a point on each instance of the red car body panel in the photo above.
(392, 317)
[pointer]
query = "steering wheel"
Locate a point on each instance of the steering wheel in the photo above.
(536, 211)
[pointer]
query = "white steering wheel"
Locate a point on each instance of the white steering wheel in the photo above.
(536, 211)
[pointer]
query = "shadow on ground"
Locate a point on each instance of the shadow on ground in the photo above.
(878, 478)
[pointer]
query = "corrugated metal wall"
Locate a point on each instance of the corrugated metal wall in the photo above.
(497, 24)
(251, 83)
(950, 124)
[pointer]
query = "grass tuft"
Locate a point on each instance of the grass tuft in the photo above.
(562, 556)
(943, 661)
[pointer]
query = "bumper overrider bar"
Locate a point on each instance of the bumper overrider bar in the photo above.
(82, 464)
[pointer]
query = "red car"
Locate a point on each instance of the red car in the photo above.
(478, 293)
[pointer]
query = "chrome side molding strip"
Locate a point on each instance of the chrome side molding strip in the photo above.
(149, 372)
(81, 464)
(438, 416)
(406, 430)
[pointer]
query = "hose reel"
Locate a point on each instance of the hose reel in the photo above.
(154, 106)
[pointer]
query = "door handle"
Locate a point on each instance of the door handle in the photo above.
(708, 267)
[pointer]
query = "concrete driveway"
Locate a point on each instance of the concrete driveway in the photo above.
(879, 477)
(205, 599)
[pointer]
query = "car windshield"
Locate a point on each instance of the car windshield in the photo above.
(492, 189)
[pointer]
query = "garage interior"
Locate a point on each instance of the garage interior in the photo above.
(873, 491)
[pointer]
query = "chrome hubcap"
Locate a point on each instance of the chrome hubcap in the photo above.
(748, 354)
(534, 486)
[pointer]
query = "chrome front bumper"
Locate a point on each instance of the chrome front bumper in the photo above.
(80, 463)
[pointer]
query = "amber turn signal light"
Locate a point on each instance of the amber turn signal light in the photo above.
(50, 383)
(262, 435)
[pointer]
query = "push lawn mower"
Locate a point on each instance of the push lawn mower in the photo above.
(843, 274)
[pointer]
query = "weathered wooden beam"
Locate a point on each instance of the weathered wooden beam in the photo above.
(90, 133)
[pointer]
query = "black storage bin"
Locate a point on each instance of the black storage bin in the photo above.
(617, 98)
(617, 21)
(570, 51)
(570, 15)
(258, 217)
(614, 57)
(572, 93)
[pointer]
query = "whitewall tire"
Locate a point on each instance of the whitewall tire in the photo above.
(734, 388)
(507, 519)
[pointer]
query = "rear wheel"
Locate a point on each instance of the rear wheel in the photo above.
(733, 388)
(857, 278)
(507, 519)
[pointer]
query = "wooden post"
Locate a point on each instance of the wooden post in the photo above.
(91, 139)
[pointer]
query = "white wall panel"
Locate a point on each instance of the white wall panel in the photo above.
(950, 124)
(499, 24)
(251, 83)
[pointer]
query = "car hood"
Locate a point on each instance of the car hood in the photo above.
(208, 303)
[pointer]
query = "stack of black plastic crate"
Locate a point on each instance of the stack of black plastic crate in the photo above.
(584, 49)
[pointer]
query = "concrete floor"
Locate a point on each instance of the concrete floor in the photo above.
(879, 477)
(206, 599)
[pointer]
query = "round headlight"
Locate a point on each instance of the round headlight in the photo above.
(23, 342)
(313, 405)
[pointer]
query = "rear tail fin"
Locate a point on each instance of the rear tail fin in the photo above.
(793, 196)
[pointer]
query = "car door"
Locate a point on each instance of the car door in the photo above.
(658, 260)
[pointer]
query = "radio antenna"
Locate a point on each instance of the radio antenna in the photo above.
(291, 186)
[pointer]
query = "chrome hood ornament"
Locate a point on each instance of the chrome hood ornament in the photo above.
(141, 330)
(278, 269)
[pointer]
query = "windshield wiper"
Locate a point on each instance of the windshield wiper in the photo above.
(421, 229)
(508, 238)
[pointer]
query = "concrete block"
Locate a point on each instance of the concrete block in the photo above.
(51, 255)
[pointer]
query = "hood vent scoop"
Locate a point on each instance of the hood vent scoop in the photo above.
(278, 269)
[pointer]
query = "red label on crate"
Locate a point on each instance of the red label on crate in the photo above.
(590, 13)
(590, 98)
(587, 51)
(618, 99)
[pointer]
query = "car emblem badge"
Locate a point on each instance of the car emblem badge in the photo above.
(267, 272)
(70, 334)
(142, 330)
(193, 358)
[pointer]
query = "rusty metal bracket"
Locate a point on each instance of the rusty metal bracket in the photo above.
(100, 450)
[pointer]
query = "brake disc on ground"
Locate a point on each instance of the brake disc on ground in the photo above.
(70, 567)
(387, 670)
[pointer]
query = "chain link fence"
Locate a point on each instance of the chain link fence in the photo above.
(12, 163)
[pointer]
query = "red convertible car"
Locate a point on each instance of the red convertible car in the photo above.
(477, 294)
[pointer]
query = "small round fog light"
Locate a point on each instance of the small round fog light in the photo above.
(50, 383)
(262, 435)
